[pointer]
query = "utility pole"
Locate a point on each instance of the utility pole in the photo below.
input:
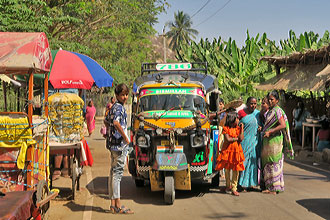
(164, 44)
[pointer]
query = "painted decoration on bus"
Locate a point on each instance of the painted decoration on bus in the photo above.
(187, 91)
(171, 114)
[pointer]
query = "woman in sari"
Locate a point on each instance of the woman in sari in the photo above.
(90, 117)
(275, 136)
(249, 117)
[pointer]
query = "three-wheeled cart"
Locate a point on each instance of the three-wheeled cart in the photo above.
(66, 133)
(73, 151)
(24, 149)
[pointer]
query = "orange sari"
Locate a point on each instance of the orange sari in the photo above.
(231, 156)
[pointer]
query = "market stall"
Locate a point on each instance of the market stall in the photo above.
(24, 149)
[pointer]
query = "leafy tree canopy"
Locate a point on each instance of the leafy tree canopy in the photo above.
(114, 33)
(180, 30)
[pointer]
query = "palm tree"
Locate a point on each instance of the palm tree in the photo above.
(180, 30)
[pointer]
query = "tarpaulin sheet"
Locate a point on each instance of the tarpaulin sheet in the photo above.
(20, 52)
(16, 205)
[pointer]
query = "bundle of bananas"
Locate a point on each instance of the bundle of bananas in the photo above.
(66, 116)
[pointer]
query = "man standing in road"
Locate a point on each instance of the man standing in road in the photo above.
(117, 142)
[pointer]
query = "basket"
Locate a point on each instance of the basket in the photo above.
(234, 104)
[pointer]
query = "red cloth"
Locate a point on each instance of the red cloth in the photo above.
(16, 205)
(231, 156)
(324, 135)
(241, 114)
(89, 159)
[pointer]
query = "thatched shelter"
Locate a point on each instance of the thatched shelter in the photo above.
(309, 70)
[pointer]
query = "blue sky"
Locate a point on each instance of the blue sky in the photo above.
(275, 17)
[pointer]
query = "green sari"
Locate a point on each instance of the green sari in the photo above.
(272, 150)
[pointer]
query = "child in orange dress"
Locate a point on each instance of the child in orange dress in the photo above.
(231, 156)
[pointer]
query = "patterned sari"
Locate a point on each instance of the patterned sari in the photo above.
(271, 153)
(249, 177)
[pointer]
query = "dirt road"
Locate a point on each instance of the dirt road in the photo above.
(307, 196)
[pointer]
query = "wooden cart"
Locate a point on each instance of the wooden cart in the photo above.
(73, 150)
(24, 154)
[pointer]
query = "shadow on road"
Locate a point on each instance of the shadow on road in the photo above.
(143, 195)
(229, 216)
(320, 207)
(308, 177)
(64, 194)
(80, 208)
(326, 174)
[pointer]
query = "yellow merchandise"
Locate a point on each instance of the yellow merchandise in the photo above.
(66, 116)
(16, 133)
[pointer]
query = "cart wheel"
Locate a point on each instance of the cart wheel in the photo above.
(216, 180)
(42, 193)
(74, 177)
(169, 193)
(139, 183)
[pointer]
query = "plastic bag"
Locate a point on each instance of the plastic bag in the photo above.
(103, 130)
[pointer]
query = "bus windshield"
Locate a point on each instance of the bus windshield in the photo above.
(171, 101)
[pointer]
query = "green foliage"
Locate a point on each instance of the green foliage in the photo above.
(114, 33)
(238, 69)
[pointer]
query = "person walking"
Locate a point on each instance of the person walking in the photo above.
(231, 157)
(276, 135)
(118, 144)
(90, 117)
(249, 117)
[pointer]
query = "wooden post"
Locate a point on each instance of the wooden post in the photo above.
(4, 86)
(30, 150)
(18, 102)
(313, 104)
(30, 100)
(46, 94)
(278, 69)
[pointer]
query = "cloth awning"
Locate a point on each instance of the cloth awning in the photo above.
(300, 77)
(21, 52)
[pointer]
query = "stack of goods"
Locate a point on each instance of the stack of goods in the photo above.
(66, 116)
(15, 137)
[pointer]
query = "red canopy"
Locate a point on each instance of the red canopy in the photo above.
(20, 52)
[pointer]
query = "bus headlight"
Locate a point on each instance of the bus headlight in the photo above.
(143, 140)
(197, 140)
(159, 131)
(178, 131)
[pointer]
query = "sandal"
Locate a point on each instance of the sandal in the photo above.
(125, 210)
(235, 193)
(114, 209)
(225, 189)
(268, 192)
(122, 210)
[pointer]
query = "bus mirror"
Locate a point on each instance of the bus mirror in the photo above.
(213, 105)
(197, 103)
(144, 103)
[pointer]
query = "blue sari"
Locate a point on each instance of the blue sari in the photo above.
(249, 177)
